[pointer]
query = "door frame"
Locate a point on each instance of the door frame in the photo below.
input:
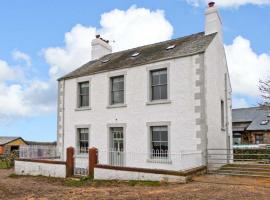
(116, 125)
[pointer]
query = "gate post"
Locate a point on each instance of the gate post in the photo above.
(93, 160)
(70, 162)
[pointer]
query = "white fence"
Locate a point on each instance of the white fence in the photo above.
(81, 162)
(155, 160)
(38, 152)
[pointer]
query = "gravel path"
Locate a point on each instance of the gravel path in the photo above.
(203, 188)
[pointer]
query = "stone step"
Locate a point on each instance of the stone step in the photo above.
(245, 169)
(245, 172)
(249, 175)
(260, 166)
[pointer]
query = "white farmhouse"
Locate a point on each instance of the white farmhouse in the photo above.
(158, 106)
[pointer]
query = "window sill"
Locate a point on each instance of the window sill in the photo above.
(158, 102)
(83, 108)
(160, 160)
(117, 106)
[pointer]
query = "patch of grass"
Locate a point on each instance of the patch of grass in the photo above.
(145, 183)
(75, 182)
(5, 164)
(13, 175)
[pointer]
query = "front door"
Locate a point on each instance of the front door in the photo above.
(117, 146)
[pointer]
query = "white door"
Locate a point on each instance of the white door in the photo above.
(117, 146)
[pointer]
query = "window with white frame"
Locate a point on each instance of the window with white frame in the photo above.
(83, 140)
(83, 94)
(158, 79)
(117, 88)
(159, 141)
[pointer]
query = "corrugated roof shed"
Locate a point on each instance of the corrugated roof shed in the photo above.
(4, 140)
(184, 46)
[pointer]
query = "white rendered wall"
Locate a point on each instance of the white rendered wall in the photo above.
(216, 68)
(135, 116)
(110, 174)
(43, 169)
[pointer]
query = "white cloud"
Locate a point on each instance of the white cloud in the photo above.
(246, 67)
(33, 97)
(123, 27)
(18, 55)
(240, 103)
(230, 3)
(7, 72)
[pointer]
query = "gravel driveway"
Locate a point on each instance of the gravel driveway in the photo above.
(204, 187)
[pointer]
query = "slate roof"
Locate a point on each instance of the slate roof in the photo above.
(254, 116)
(4, 140)
(41, 143)
(185, 46)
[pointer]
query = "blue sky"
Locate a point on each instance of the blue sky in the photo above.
(32, 35)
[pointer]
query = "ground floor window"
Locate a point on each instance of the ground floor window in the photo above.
(159, 141)
(237, 139)
(259, 139)
(83, 140)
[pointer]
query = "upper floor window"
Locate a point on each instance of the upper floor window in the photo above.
(159, 84)
(83, 140)
(83, 94)
(117, 90)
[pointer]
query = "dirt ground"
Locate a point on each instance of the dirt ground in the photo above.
(208, 187)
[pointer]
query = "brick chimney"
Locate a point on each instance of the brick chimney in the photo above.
(212, 20)
(100, 47)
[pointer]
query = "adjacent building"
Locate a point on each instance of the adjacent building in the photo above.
(142, 106)
(10, 144)
(251, 126)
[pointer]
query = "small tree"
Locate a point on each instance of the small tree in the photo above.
(264, 87)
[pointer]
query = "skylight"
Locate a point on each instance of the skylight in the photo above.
(105, 60)
(135, 54)
(264, 122)
(171, 47)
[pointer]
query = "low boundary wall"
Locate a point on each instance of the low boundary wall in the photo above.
(41, 167)
(107, 172)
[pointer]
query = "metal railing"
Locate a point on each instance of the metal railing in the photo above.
(81, 161)
(155, 159)
(38, 152)
(218, 158)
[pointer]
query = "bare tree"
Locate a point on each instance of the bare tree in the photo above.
(264, 87)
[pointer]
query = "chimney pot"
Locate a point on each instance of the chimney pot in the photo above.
(97, 36)
(211, 4)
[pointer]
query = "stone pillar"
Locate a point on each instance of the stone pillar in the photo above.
(93, 160)
(70, 161)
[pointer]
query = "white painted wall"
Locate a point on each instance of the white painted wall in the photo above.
(110, 174)
(179, 112)
(43, 169)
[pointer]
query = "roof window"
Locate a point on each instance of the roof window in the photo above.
(105, 60)
(264, 122)
(135, 54)
(171, 47)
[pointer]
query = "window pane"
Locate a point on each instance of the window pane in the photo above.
(118, 97)
(83, 140)
(163, 92)
(163, 78)
(155, 136)
(155, 93)
(164, 136)
(155, 78)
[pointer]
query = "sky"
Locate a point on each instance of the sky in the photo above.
(43, 40)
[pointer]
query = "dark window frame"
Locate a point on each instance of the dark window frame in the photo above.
(158, 85)
(81, 95)
(222, 114)
(83, 141)
(159, 152)
(259, 139)
(113, 91)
